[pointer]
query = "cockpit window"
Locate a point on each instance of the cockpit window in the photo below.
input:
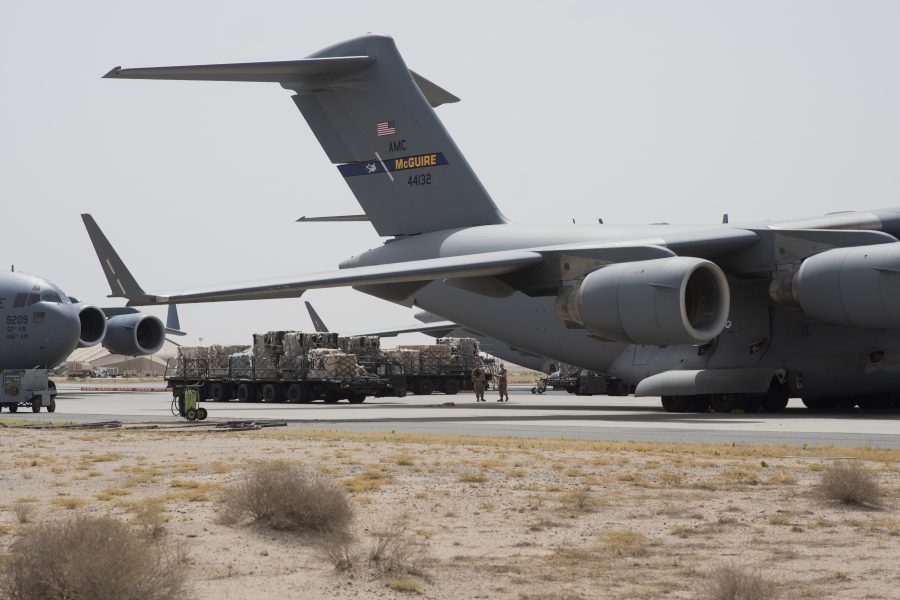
(50, 296)
(19, 302)
(33, 299)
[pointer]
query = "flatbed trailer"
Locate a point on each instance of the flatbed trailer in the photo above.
(272, 384)
(27, 388)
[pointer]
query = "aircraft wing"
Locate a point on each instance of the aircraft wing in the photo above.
(488, 264)
(438, 329)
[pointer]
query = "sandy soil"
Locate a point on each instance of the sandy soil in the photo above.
(494, 518)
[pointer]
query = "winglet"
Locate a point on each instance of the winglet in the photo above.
(317, 321)
(121, 282)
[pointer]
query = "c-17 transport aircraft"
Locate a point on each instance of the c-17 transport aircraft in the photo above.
(42, 326)
(728, 316)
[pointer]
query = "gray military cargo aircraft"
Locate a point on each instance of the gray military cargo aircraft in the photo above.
(42, 325)
(728, 316)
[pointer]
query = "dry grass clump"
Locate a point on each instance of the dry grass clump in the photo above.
(24, 511)
(395, 553)
(579, 501)
(848, 482)
(288, 498)
(730, 582)
(625, 542)
(90, 557)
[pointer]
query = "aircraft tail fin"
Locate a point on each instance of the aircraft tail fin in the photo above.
(317, 321)
(375, 120)
(121, 282)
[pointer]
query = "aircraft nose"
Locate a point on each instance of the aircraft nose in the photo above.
(54, 332)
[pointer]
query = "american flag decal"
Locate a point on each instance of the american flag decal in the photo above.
(386, 128)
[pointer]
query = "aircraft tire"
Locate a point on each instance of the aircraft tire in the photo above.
(13, 407)
(774, 402)
(698, 403)
(674, 403)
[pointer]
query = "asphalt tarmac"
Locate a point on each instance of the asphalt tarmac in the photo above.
(552, 415)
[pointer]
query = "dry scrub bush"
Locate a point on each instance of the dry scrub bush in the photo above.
(730, 582)
(625, 542)
(24, 511)
(338, 549)
(90, 557)
(288, 498)
(394, 553)
(848, 482)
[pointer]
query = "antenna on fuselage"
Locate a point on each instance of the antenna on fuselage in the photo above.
(724, 218)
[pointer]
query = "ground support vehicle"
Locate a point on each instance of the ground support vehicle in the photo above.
(249, 383)
(27, 387)
(584, 383)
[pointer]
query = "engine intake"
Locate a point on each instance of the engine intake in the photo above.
(857, 286)
(93, 325)
(677, 300)
(134, 334)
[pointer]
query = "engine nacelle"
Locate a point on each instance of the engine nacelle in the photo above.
(857, 286)
(677, 300)
(134, 334)
(93, 325)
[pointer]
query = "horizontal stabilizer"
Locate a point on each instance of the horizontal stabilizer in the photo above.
(274, 72)
(333, 219)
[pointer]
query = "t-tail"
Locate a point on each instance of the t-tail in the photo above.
(375, 120)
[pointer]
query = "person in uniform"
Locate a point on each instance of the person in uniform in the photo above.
(478, 382)
(501, 384)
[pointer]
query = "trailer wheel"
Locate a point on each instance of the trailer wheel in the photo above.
(331, 397)
(190, 414)
(426, 386)
(357, 398)
(247, 392)
(298, 393)
(271, 392)
(35, 405)
(13, 407)
(201, 414)
(217, 392)
(451, 387)
(52, 406)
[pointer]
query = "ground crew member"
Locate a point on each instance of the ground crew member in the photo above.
(478, 382)
(501, 384)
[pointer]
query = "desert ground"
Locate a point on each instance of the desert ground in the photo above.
(480, 517)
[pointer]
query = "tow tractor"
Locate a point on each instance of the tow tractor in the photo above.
(27, 387)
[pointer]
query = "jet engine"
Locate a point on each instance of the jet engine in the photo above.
(134, 334)
(677, 300)
(857, 286)
(93, 325)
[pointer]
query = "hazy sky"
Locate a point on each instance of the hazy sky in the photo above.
(630, 111)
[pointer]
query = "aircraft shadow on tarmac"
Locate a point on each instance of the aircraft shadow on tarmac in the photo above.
(639, 414)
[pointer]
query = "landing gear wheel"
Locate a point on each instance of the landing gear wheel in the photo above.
(190, 414)
(774, 402)
(13, 408)
(201, 414)
(451, 387)
(818, 403)
(357, 398)
(698, 404)
(674, 403)
(726, 403)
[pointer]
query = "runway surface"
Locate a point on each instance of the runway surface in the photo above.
(552, 415)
